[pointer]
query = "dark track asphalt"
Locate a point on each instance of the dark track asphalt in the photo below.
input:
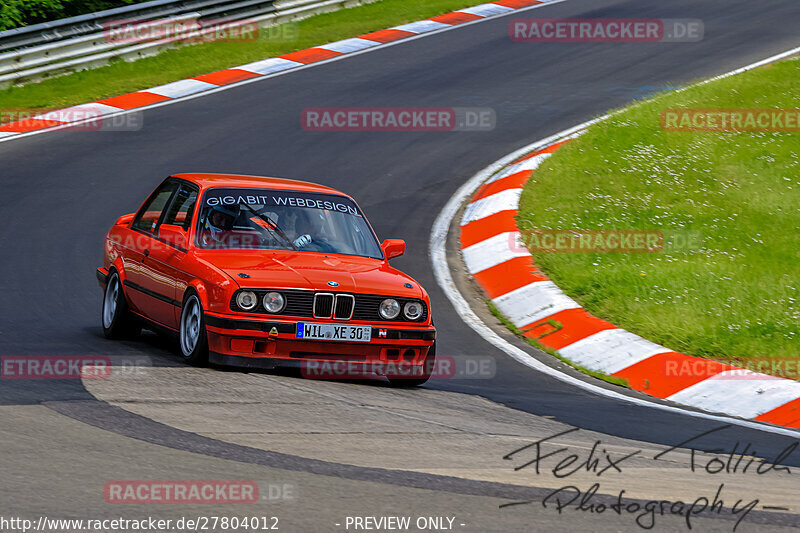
(62, 190)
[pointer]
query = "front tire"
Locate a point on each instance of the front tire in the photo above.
(193, 337)
(117, 320)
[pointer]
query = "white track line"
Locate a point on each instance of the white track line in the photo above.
(519, 307)
(441, 270)
(611, 350)
(507, 199)
(493, 251)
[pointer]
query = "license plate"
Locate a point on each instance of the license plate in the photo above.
(333, 332)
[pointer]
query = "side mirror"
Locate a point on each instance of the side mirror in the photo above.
(124, 219)
(174, 235)
(393, 248)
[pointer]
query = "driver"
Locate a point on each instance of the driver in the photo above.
(308, 227)
(219, 221)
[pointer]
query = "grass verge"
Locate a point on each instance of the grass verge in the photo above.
(733, 297)
(122, 77)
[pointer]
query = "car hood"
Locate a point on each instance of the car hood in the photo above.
(307, 270)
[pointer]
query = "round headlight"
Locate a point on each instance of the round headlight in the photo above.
(247, 300)
(274, 302)
(389, 309)
(413, 310)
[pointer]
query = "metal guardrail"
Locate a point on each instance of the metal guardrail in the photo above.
(53, 48)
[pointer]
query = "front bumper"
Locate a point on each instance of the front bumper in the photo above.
(102, 277)
(270, 343)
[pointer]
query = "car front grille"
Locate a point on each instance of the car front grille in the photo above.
(343, 310)
(336, 306)
(298, 303)
(331, 306)
(323, 305)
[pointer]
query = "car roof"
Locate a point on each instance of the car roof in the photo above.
(206, 180)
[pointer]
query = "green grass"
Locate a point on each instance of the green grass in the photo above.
(621, 382)
(736, 295)
(122, 77)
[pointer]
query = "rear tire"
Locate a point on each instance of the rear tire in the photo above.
(117, 320)
(428, 366)
(193, 338)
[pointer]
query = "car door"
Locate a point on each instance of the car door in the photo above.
(169, 258)
(149, 288)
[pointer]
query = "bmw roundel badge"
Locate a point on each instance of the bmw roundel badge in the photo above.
(333, 284)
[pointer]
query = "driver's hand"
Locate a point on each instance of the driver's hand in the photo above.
(302, 241)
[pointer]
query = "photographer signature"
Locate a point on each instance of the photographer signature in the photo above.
(562, 462)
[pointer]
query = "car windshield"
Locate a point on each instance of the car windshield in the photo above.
(269, 219)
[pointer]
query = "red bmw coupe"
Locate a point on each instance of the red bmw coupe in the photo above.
(264, 272)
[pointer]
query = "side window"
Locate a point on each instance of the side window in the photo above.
(148, 217)
(180, 211)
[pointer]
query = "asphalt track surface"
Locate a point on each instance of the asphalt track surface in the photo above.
(62, 190)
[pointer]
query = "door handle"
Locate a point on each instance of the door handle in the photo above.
(147, 252)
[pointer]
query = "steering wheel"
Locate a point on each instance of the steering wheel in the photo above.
(316, 245)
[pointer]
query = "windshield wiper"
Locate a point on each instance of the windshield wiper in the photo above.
(272, 226)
